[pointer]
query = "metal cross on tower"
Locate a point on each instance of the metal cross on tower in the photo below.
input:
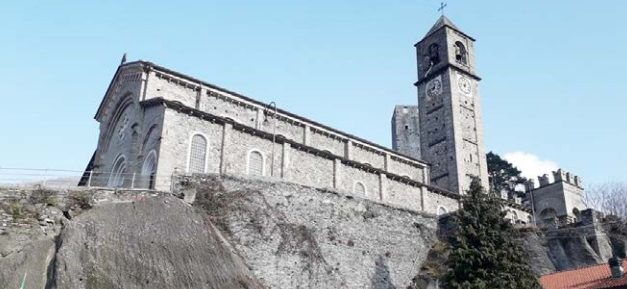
(442, 6)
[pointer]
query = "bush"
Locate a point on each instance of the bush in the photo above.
(79, 199)
(19, 211)
(16, 210)
(44, 196)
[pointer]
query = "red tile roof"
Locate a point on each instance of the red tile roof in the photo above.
(593, 277)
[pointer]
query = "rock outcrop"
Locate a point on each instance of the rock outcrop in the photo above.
(26, 252)
(152, 242)
(538, 252)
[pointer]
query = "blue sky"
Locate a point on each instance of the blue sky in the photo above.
(554, 85)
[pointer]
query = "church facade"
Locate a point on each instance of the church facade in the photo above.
(156, 122)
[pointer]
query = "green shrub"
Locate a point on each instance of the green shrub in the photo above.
(19, 211)
(16, 210)
(44, 196)
(79, 199)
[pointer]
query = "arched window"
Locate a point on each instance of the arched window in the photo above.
(149, 169)
(441, 211)
(359, 188)
(255, 163)
(460, 53)
(118, 173)
(198, 154)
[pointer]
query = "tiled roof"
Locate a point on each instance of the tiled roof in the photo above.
(593, 277)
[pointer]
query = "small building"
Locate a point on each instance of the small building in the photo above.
(560, 200)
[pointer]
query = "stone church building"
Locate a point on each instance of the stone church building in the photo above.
(156, 122)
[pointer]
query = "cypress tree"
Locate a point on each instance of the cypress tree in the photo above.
(485, 253)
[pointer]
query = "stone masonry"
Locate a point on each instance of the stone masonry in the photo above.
(406, 130)
(294, 236)
(560, 200)
(156, 123)
(451, 129)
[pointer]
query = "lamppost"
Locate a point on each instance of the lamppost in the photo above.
(265, 120)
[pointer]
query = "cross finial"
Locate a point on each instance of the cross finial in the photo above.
(442, 6)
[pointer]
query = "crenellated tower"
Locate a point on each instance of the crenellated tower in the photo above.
(561, 199)
(449, 105)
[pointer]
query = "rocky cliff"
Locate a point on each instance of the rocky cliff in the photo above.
(146, 241)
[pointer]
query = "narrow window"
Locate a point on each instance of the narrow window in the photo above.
(441, 211)
(198, 154)
(255, 163)
(149, 169)
(359, 189)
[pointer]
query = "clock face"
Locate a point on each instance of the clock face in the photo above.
(434, 87)
(465, 86)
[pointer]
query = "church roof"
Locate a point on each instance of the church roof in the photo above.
(442, 22)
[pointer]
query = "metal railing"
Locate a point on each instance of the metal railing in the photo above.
(60, 178)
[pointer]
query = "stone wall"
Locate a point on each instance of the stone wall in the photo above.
(166, 84)
(229, 145)
(299, 237)
(136, 122)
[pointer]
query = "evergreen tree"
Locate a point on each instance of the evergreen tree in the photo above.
(485, 253)
(504, 176)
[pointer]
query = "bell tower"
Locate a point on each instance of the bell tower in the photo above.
(451, 130)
